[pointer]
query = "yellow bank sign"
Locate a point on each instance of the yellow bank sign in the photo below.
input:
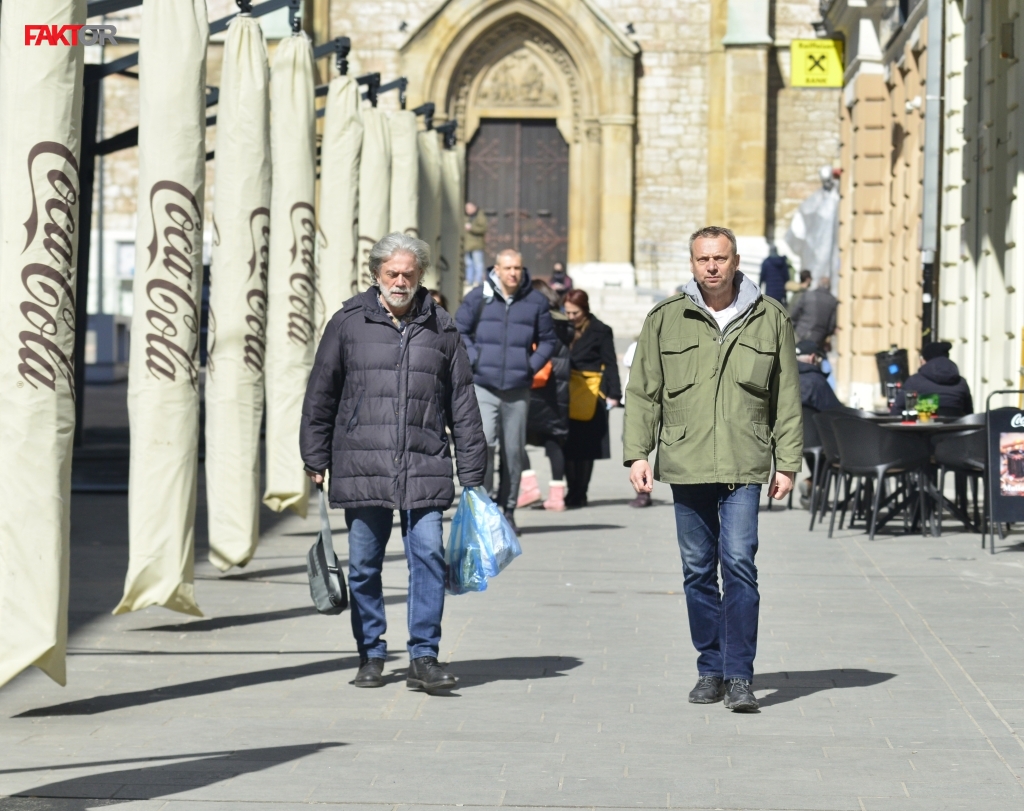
(816, 62)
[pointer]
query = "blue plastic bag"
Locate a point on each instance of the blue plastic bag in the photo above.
(480, 545)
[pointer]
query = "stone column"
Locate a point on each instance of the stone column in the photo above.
(617, 189)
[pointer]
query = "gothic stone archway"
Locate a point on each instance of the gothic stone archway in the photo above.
(559, 60)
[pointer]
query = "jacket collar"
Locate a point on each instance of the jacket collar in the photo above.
(748, 295)
(492, 287)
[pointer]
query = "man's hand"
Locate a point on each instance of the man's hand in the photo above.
(781, 484)
(641, 477)
(317, 478)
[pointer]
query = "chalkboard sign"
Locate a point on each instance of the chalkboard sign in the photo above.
(1005, 464)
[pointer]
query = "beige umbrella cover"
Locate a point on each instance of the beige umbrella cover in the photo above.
(291, 330)
(429, 207)
(339, 199)
(40, 131)
(452, 224)
(163, 371)
(374, 190)
(405, 174)
(238, 297)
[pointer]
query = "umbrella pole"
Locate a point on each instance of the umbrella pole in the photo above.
(90, 119)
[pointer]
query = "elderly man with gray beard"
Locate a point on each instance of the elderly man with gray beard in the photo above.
(391, 373)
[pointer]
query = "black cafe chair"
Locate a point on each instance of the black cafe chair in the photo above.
(873, 453)
(966, 454)
(829, 472)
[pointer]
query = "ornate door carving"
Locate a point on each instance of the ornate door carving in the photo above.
(519, 176)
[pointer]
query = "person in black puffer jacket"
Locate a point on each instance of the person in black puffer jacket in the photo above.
(938, 375)
(507, 331)
(548, 423)
(390, 375)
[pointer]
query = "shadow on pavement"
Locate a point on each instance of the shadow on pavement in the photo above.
(570, 528)
(149, 782)
(233, 621)
(794, 684)
(190, 689)
(474, 672)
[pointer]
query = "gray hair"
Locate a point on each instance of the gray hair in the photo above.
(397, 242)
(713, 232)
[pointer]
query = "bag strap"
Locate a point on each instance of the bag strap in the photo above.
(479, 312)
(325, 533)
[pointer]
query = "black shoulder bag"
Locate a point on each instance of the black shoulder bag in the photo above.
(327, 584)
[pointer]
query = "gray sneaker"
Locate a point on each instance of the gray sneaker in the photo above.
(739, 696)
(709, 690)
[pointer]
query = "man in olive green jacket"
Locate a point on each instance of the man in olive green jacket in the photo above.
(714, 386)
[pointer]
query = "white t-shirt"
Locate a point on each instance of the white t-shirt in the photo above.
(723, 317)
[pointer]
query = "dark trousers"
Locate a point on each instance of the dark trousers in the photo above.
(717, 523)
(553, 450)
(577, 476)
(368, 531)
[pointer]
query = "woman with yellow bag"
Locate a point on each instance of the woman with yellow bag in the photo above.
(593, 389)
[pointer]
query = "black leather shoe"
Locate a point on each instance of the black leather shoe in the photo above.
(371, 674)
(739, 696)
(427, 674)
(709, 690)
(641, 500)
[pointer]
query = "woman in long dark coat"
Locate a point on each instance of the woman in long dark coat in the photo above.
(592, 350)
(548, 422)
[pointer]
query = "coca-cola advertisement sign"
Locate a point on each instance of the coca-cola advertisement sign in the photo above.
(169, 311)
(47, 329)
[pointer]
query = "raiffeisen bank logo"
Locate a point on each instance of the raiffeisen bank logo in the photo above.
(70, 35)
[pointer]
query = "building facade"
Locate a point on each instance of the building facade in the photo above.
(893, 290)
(598, 132)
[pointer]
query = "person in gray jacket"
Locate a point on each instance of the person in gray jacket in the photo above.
(814, 314)
(391, 374)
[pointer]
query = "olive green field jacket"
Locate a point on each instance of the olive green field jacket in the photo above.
(718, 407)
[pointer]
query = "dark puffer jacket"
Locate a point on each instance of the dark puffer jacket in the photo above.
(500, 334)
(377, 404)
(942, 377)
(549, 405)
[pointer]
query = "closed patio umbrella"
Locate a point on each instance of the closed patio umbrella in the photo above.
(238, 297)
(339, 199)
(291, 331)
(163, 373)
(40, 142)
(429, 208)
(405, 174)
(374, 189)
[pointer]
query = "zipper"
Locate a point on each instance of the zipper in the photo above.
(504, 344)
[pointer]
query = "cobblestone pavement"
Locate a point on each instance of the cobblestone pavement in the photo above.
(889, 672)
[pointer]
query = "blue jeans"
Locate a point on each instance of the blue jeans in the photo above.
(474, 267)
(368, 531)
(718, 523)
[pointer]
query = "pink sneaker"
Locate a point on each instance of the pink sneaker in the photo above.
(556, 497)
(529, 490)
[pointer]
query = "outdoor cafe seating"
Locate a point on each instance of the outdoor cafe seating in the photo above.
(878, 469)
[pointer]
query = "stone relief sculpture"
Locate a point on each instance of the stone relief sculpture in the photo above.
(519, 80)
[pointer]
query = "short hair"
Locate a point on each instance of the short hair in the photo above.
(579, 298)
(397, 242)
(508, 252)
(546, 290)
(713, 232)
(805, 275)
(825, 281)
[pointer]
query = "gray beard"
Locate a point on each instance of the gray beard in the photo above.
(398, 300)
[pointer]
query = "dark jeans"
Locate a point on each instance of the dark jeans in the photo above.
(718, 523)
(553, 450)
(368, 531)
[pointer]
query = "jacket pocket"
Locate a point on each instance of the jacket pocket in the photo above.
(753, 359)
(353, 421)
(671, 434)
(679, 363)
(762, 432)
